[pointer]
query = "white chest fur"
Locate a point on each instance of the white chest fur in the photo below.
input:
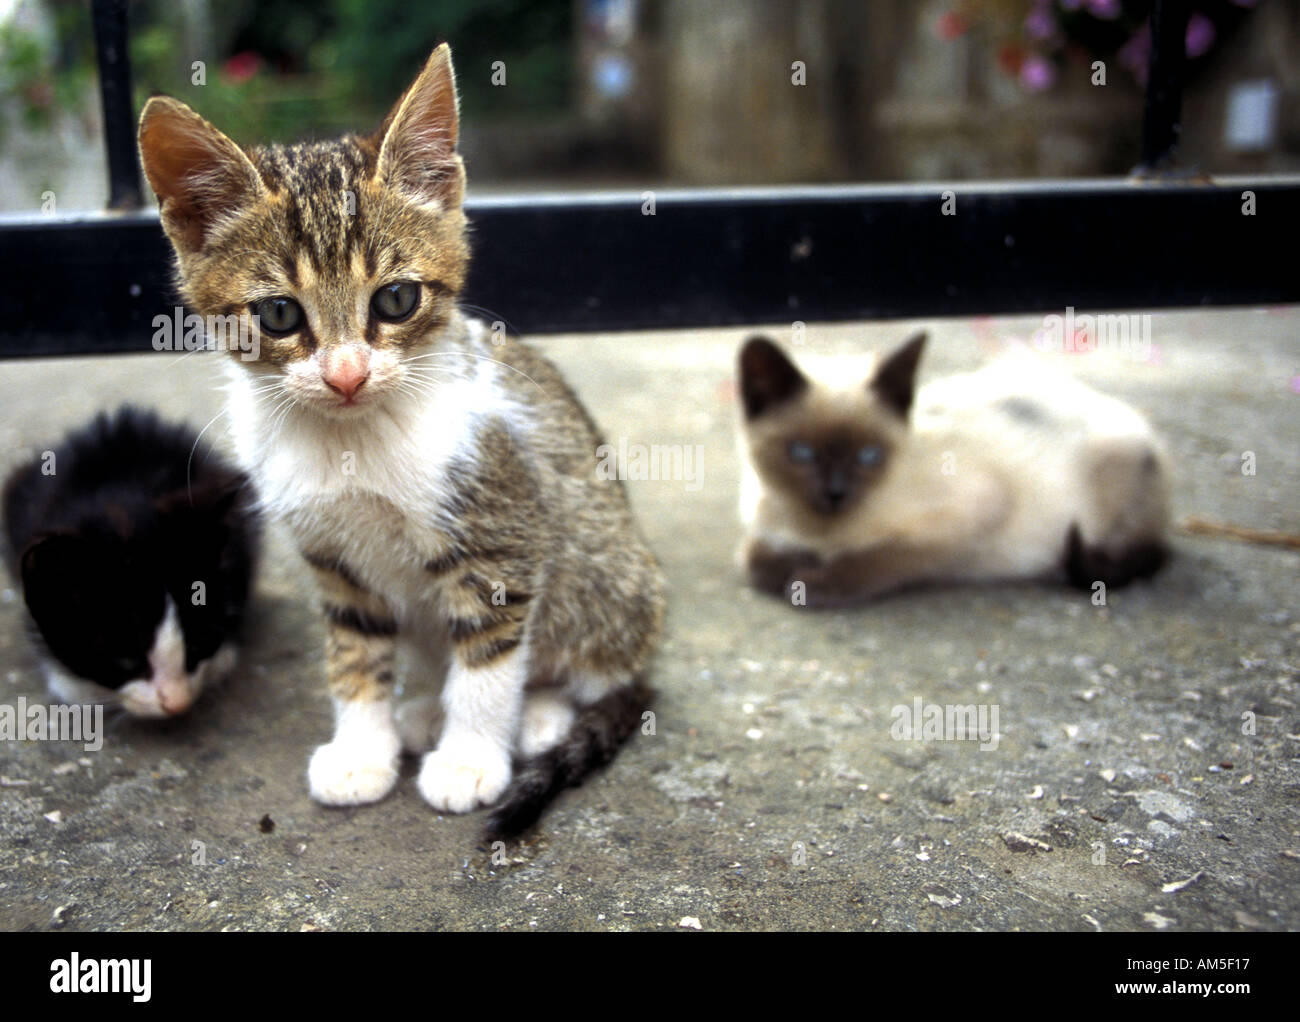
(366, 488)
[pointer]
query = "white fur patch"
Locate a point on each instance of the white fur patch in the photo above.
(366, 485)
(68, 688)
(168, 692)
(360, 764)
(546, 719)
(471, 766)
(585, 687)
(464, 773)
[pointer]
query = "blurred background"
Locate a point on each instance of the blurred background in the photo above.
(608, 94)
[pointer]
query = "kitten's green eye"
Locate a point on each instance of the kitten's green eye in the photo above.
(394, 302)
(802, 453)
(870, 456)
(278, 315)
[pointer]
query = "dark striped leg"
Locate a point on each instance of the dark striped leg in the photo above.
(360, 764)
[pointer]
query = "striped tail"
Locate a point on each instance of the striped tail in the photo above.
(592, 741)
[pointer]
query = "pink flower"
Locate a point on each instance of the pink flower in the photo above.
(1200, 35)
(242, 66)
(1106, 10)
(1135, 53)
(950, 25)
(1036, 74)
(1039, 23)
(1011, 58)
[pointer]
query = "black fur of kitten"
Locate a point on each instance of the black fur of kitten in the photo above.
(109, 534)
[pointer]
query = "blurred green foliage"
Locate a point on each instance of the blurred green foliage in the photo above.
(277, 69)
(42, 73)
(381, 43)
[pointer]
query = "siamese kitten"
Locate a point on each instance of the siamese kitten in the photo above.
(853, 486)
(135, 545)
(439, 481)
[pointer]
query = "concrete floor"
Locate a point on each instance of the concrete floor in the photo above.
(772, 795)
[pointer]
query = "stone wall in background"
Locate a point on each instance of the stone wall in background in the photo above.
(886, 98)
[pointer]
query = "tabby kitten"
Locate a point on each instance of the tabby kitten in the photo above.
(1011, 471)
(439, 481)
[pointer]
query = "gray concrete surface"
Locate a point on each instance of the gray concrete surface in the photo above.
(772, 794)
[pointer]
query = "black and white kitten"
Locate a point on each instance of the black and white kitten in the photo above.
(135, 548)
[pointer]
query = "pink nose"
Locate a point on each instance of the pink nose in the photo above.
(346, 384)
(346, 371)
(173, 697)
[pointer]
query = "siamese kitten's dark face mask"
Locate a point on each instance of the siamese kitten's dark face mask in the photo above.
(830, 472)
(827, 457)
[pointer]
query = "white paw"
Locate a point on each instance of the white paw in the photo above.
(418, 724)
(352, 773)
(461, 775)
(546, 720)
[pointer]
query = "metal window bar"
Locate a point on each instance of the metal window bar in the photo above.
(112, 54)
(726, 257)
(1162, 110)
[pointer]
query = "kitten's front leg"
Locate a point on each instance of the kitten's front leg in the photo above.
(471, 765)
(482, 698)
(771, 568)
(860, 575)
(360, 764)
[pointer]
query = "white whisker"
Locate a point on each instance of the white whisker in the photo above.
(189, 462)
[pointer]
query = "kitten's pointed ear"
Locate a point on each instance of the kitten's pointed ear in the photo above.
(895, 380)
(199, 175)
(767, 376)
(417, 141)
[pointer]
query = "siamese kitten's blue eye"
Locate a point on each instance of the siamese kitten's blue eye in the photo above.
(394, 302)
(802, 453)
(871, 455)
(278, 315)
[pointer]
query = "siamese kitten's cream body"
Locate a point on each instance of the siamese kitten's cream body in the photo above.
(855, 485)
(440, 482)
